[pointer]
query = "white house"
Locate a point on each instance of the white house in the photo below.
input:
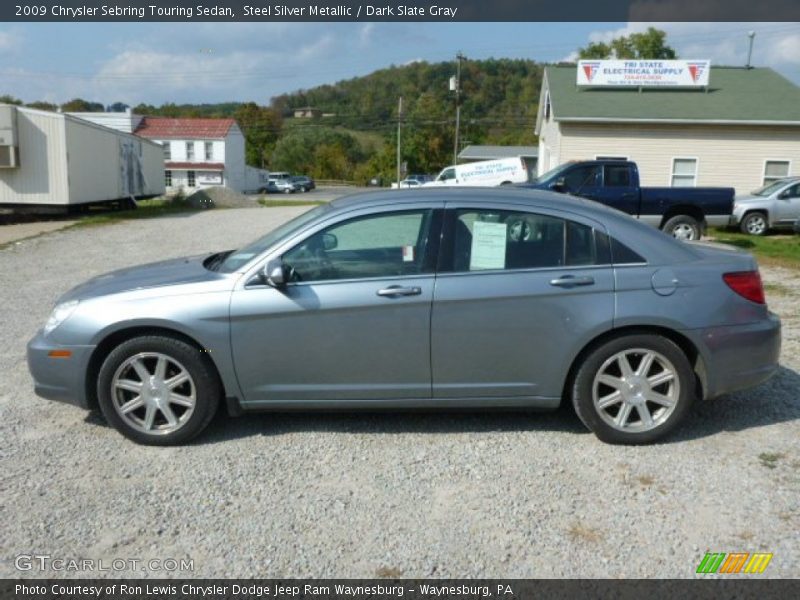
(198, 152)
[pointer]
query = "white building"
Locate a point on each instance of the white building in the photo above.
(53, 162)
(741, 130)
(198, 152)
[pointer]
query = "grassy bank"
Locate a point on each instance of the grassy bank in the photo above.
(147, 209)
(782, 250)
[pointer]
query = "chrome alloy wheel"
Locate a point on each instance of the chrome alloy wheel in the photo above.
(153, 393)
(636, 390)
(685, 232)
(756, 224)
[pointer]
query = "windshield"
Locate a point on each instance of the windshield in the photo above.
(770, 188)
(551, 174)
(238, 258)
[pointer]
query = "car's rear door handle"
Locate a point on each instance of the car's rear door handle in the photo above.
(571, 281)
(396, 290)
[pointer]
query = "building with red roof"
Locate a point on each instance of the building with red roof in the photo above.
(198, 152)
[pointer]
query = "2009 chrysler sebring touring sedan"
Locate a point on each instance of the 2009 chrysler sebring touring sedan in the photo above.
(423, 298)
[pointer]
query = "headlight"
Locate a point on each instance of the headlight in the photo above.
(60, 314)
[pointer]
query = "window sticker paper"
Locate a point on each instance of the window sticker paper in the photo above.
(488, 246)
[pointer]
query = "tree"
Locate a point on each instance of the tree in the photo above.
(261, 127)
(321, 152)
(8, 99)
(81, 105)
(40, 105)
(648, 45)
(117, 107)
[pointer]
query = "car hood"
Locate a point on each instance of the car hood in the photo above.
(173, 272)
(750, 198)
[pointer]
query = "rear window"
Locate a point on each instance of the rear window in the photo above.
(612, 250)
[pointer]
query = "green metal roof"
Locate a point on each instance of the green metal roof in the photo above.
(733, 94)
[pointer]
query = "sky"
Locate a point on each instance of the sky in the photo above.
(217, 62)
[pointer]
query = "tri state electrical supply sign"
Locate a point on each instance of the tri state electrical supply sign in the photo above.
(644, 73)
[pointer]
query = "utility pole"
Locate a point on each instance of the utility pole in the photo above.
(456, 86)
(751, 35)
(399, 123)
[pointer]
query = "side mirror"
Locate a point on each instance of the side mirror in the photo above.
(274, 273)
(785, 194)
(329, 241)
(559, 185)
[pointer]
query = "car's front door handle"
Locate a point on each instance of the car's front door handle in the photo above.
(395, 290)
(571, 281)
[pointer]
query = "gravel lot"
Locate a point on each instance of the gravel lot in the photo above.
(363, 495)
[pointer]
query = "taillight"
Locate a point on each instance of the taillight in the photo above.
(747, 284)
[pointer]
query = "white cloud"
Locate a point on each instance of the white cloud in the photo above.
(9, 41)
(365, 35)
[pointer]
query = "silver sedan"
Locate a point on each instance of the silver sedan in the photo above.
(441, 298)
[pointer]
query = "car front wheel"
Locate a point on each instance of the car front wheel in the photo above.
(754, 223)
(633, 389)
(158, 390)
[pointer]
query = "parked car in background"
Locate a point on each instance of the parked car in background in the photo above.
(279, 186)
(484, 173)
(413, 181)
(431, 298)
(774, 206)
(303, 183)
(682, 212)
(797, 226)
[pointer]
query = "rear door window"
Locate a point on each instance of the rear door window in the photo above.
(489, 239)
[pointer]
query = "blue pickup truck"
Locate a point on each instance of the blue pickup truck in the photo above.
(682, 212)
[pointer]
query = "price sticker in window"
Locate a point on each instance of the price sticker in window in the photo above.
(408, 253)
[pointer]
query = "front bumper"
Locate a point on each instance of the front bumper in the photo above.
(62, 379)
(738, 357)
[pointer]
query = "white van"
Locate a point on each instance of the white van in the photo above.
(484, 173)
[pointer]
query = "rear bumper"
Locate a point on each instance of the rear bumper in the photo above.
(738, 357)
(61, 379)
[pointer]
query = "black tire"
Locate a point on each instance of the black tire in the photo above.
(583, 389)
(754, 223)
(679, 225)
(204, 381)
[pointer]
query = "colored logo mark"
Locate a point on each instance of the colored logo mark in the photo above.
(735, 562)
(696, 70)
(590, 70)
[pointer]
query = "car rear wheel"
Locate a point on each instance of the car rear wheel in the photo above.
(633, 389)
(158, 390)
(754, 223)
(683, 227)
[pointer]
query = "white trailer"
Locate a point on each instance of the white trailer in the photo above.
(58, 162)
(484, 173)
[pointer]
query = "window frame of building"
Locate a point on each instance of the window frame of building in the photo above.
(548, 110)
(609, 157)
(191, 179)
(767, 179)
(189, 150)
(168, 178)
(167, 150)
(673, 175)
(209, 150)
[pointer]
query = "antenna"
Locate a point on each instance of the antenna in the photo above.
(751, 35)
